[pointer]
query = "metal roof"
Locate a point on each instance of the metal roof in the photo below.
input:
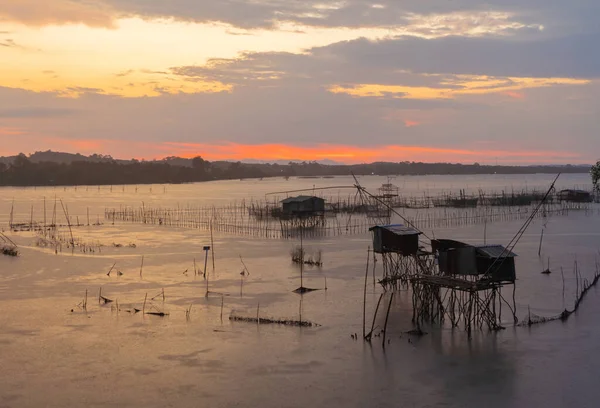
(300, 199)
(495, 251)
(397, 229)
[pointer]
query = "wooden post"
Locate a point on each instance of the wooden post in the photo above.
(301, 259)
(368, 336)
(212, 246)
(365, 293)
(221, 308)
(206, 249)
(387, 315)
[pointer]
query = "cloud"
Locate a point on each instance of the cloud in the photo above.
(8, 43)
(457, 86)
(248, 14)
(398, 60)
(412, 67)
(514, 94)
(41, 13)
(308, 117)
(433, 17)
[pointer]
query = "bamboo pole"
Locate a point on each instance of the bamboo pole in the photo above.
(365, 293)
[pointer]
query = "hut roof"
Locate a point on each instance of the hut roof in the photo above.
(495, 251)
(300, 199)
(397, 229)
(573, 191)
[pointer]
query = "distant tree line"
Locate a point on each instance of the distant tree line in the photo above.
(21, 171)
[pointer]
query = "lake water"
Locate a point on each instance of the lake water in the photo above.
(52, 356)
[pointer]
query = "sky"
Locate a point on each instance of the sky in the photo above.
(497, 81)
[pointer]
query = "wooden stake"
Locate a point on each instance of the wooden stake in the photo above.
(221, 308)
(142, 266)
(212, 246)
(563, 285)
(368, 336)
(144, 306)
(387, 315)
(365, 293)
(540, 248)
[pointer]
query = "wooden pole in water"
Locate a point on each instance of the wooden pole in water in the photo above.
(301, 259)
(68, 222)
(485, 231)
(205, 259)
(144, 305)
(142, 266)
(563, 285)
(387, 315)
(221, 308)
(365, 293)
(212, 245)
(540, 247)
(368, 337)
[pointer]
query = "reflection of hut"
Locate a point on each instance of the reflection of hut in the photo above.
(578, 196)
(303, 206)
(395, 238)
(458, 258)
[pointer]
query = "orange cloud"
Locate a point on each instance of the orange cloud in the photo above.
(41, 13)
(515, 95)
(10, 132)
(455, 86)
(411, 123)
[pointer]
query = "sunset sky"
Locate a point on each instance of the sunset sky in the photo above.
(500, 81)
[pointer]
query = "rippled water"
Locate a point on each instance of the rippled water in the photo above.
(51, 356)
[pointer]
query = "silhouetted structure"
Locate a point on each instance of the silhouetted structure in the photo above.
(303, 206)
(577, 196)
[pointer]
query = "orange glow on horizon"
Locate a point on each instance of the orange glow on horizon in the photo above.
(343, 154)
(352, 154)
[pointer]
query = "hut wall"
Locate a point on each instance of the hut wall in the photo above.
(386, 241)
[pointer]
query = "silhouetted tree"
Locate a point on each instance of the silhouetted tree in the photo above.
(595, 173)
